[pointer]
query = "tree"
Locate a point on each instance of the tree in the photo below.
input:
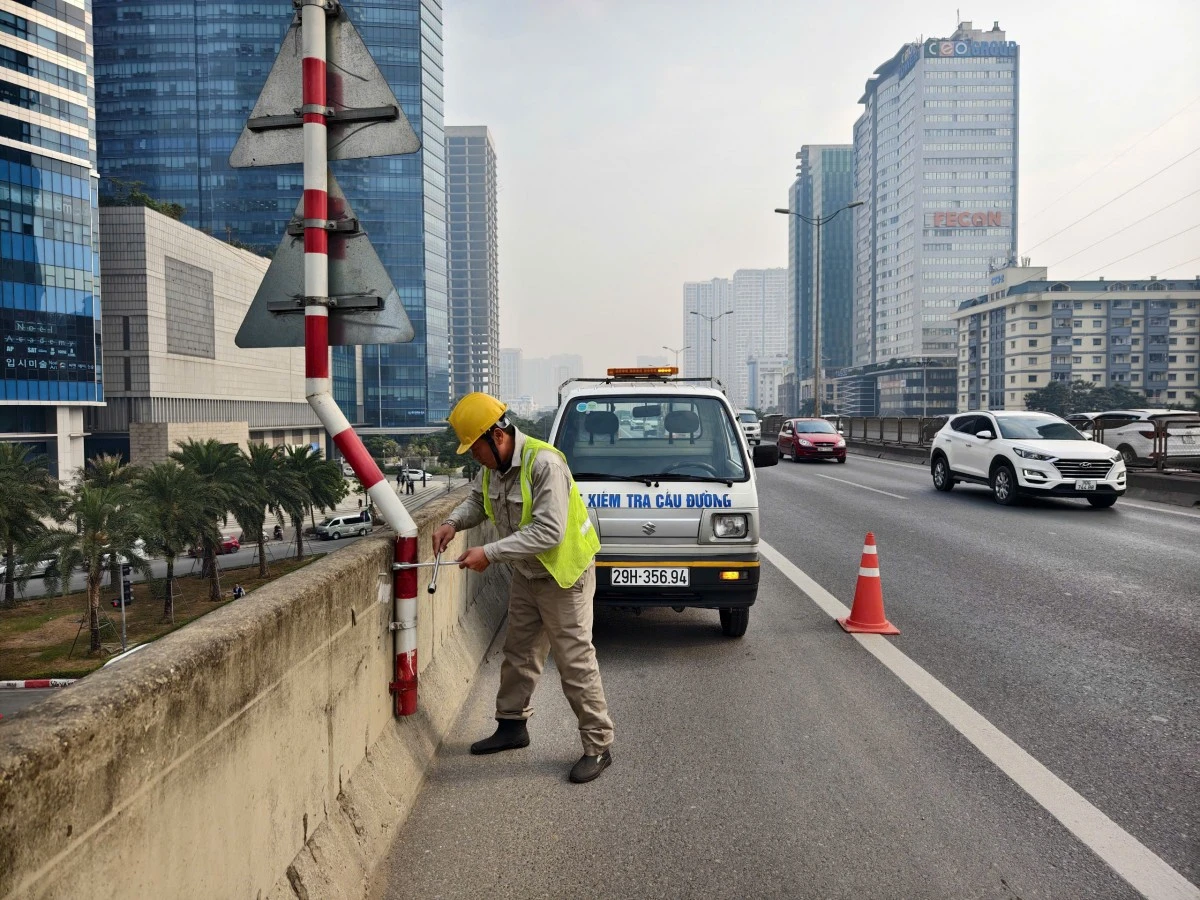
(106, 470)
(321, 487)
(119, 192)
(1062, 399)
(174, 508)
(103, 523)
(272, 488)
(28, 493)
(222, 471)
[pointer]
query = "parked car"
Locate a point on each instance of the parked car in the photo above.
(810, 439)
(1132, 433)
(414, 474)
(751, 426)
(1032, 453)
(347, 469)
(334, 527)
(43, 567)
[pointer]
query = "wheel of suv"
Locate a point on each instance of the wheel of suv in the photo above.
(1102, 501)
(1127, 454)
(734, 621)
(337, 535)
(1004, 484)
(942, 479)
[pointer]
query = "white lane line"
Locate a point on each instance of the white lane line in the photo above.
(863, 486)
(1169, 512)
(1132, 860)
(889, 462)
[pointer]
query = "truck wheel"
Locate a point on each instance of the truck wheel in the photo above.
(734, 621)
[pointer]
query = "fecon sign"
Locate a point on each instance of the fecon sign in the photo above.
(937, 47)
(966, 219)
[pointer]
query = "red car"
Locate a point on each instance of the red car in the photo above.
(810, 439)
(230, 545)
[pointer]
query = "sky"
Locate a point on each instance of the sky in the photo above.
(645, 143)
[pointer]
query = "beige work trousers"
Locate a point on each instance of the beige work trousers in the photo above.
(543, 617)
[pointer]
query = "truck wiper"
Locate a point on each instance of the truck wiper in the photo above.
(679, 476)
(647, 480)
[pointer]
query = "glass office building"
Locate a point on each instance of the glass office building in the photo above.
(50, 325)
(175, 83)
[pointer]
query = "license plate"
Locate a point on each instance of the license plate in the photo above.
(648, 577)
(825, 449)
(1088, 484)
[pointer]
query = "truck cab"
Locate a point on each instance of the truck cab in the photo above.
(669, 481)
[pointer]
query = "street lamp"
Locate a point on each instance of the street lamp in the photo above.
(816, 354)
(711, 340)
(676, 352)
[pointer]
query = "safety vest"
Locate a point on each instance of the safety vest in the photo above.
(579, 546)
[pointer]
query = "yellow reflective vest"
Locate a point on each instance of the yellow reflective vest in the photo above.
(580, 544)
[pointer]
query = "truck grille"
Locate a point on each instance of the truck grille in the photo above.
(1083, 468)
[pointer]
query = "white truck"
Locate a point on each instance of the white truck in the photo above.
(668, 478)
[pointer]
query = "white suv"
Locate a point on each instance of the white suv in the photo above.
(1133, 432)
(1030, 453)
(750, 425)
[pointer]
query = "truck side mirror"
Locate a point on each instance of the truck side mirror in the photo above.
(765, 455)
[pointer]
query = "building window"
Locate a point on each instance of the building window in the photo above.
(1032, 379)
(1097, 323)
(128, 374)
(1033, 326)
(1096, 342)
(1097, 377)
(1033, 360)
(1033, 342)
(1096, 360)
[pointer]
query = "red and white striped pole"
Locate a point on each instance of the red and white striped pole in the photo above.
(317, 384)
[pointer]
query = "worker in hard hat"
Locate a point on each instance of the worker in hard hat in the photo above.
(546, 536)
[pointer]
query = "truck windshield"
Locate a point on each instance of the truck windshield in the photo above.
(620, 437)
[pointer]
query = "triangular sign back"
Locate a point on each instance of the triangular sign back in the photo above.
(367, 309)
(356, 87)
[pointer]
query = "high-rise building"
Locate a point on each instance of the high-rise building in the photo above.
(511, 386)
(541, 377)
(50, 322)
(760, 326)
(824, 185)
(935, 157)
(708, 318)
(175, 83)
(473, 257)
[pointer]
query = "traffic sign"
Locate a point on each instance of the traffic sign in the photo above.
(363, 116)
(365, 308)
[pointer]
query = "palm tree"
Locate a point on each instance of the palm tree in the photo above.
(106, 470)
(28, 493)
(321, 487)
(222, 472)
(273, 487)
(172, 501)
(103, 524)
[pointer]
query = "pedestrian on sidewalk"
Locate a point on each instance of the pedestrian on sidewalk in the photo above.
(528, 493)
(424, 475)
(410, 484)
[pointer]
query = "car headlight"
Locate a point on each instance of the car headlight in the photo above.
(803, 442)
(841, 442)
(730, 526)
(1031, 454)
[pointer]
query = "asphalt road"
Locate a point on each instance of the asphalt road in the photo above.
(792, 763)
(12, 702)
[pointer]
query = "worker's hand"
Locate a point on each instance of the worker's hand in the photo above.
(474, 559)
(442, 536)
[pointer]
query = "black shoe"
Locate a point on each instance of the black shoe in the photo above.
(511, 734)
(589, 767)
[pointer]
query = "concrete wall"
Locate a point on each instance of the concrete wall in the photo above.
(153, 442)
(251, 754)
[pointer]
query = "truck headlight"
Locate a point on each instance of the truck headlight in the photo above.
(727, 525)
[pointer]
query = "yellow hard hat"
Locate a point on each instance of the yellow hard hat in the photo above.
(473, 416)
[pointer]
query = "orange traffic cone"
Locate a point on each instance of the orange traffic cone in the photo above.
(866, 615)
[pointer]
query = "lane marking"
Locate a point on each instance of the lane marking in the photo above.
(863, 486)
(1147, 872)
(1170, 512)
(890, 462)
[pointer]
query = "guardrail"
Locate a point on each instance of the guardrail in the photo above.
(908, 431)
(1174, 443)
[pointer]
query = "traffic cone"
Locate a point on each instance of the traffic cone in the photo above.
(866, 614)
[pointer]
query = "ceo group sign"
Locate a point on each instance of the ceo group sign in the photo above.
(940, 48)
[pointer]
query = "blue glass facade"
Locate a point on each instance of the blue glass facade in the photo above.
(175, 84)
(49, 267)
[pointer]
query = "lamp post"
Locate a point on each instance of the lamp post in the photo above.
(676, 352)
(816, 354)
(711, 340)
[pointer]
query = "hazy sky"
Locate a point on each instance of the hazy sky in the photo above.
(644, 143)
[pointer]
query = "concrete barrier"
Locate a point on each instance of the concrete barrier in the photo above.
(251, 754)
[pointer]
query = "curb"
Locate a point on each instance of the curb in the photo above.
(36, 683)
